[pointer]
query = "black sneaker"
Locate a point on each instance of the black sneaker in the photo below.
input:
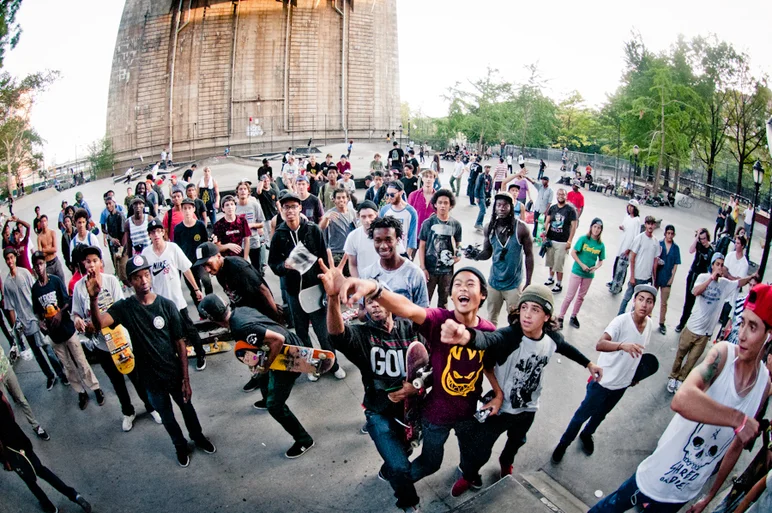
(65, 382)
(560, 323)
(298, 449)
(363, 429)
(262, 404)
(41, 433)
(558, 453)
(183, 458)
(82, 400)
(50, 383)
(557, 288)
(679, 328)
(253, 383)
(200, 363)
(574, 322)
(100, 396)
(662, 329)
(49, 508)
(83, 503)
(588, 444)
(206, 446)
(549, 282)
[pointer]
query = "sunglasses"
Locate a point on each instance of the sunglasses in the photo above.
(391, 194)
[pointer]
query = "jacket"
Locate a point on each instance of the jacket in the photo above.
(282, 245)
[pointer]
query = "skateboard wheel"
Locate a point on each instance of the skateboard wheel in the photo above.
(418, 383)
(322, 356)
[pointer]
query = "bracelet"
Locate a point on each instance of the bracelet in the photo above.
(741, 426)
(378, 291)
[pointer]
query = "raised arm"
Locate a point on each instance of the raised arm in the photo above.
(93, 286)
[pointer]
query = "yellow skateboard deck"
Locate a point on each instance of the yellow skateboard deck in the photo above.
(218, 346)
(306, 360)
(120, 350)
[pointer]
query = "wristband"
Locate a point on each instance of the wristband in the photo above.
(741, 426)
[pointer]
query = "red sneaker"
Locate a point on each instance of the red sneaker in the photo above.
(462, 485)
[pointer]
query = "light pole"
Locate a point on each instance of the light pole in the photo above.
(768, 240)
(631, 174)
(758, 177)
(401, 142)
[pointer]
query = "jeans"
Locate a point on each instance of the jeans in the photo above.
(191, 333)
(441, 282)
(388, 437)
(45, 474)
(38, 352)
(256, 259)
(119, 383)
(433, 450)
(515, 425)
(576, 285)
(455, 185)
(629, 294)
(628, 496)
(161, 399)
(202, 278)
(689, 299)
(318, 320)
(536, 215)
(598, 402)
(276, 388)
(481, 214)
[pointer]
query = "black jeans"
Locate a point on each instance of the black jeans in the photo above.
(535, 222)
(55, 363)
(276, 388)
(119, 383)
(256, 258)
(47, 475)
(318, 320)
(191, 333)
(202, 278)
(161, 399)
(433, 450)
(516, 427)
(598, 402)
(689, 299)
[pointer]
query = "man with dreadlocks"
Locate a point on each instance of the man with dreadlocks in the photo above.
(507, 239)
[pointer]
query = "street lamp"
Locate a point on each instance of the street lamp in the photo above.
(758, 177)
(400, 134)
(768, 240)
(636, 149)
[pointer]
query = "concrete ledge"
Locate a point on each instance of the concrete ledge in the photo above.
(548, 490)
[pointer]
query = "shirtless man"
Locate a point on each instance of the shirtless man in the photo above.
(47, 244)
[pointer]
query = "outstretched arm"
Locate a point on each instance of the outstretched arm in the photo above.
(356, 290)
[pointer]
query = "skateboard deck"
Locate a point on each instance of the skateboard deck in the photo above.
(417, 371)
(648, 366)
(619, 277)
(213, 347)
(21, 465)
(120, 350)
(308, 360)
(213, 337)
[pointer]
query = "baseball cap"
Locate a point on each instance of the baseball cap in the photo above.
(244, 180)
(227, 198)
(597, 220)
(645, 288)
(173, 177)
(545, 177)
(154, 225)
(136, 264)
(88, 250)
(38, 255)
(10, 250)
(289, 196)
(715, 257)
(633, 202)
(650, 219)
(137, 199)
(759, 301)
(188, 201)
(212, 307)
(539, 294)
(301, 178)
(347, 172)
(504, 196)
(204, 252)
(575, 183)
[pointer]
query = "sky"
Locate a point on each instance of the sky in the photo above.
(577, 46)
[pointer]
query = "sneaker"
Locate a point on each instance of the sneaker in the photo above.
(27, 355)
(253, 383)
(49, 508)
(609, 284)
(550, 281)
(363, 429)
(82, 400)
(340, 373)
(662, 329)
(298, 449)
(462, 485)
(83, 503)
(205, 445)
(262, 404)
(381, 476)
(183, 458)
(678, 384)
(671, 385)
(128, 422)
(679, 328)
(313, 377)
(478, 227)
(588, 444)
(560, 322)
(506, 470)
(558, 453)
(557, 288)
(200, 363)
(65, 382)
(574, 322)
(41, 433)
(411, 509)
(156, 417)
(100, 396)
(50, 383)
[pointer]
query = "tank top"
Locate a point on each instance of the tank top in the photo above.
(139, 237)
(206, 191)
(506, 272)
(688, 451)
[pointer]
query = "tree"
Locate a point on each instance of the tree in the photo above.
(9, 29)
(101, 156)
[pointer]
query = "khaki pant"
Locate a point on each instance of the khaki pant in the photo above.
(556, 256)
(691, 347)
(82, 375)
(496, 300)
(14, 390)
(664, 295)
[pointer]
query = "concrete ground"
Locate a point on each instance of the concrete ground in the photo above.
(137, 471)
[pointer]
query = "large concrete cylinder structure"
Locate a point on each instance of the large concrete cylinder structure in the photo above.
(195, 76)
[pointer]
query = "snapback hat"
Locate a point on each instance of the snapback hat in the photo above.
(154, 225)
(716, 256)
(212, 307)
(204, 252)
(38, 255)
(88, 250)
(136, 264)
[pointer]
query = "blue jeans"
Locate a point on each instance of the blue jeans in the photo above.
(318, 320)
(481, 215)
(433, 450)
(598, 402)
(629, 294)
(628, 496)
(388, 437)
(161, 401)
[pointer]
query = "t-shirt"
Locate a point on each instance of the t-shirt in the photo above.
(17, 294)
(311, 207)
(200, 209)
(249, 325)
(440, 249)
(619, 366)
(631, 227)
(457, 372)
(243, 285)
(671, 258)
(165, 270)
(81, 303)
(522, 194)
(589, 251)
(337, 231)
(90, 240)
(267, 198)
(560, 222)
(738, 267)
(409, 219)
(702, 256)
(342, 168)
(234, 232)
(646, 249)
(411, 184)
(748, 215)
(396, 155)
(155, 330)
(253, 214)
(737, 309)
(499, 173)
(576, 199)
(361, 246)
(707, 308)
(458, 169)
(53, 294)
(176, 218)
(407, 280)
(188, 239)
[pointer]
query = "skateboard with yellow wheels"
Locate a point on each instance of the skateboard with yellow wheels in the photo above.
(213, 337)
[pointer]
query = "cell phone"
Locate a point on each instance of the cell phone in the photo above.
(483, 414)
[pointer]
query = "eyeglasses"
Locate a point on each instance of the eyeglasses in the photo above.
(290, 207)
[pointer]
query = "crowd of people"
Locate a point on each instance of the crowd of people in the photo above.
(362, 274)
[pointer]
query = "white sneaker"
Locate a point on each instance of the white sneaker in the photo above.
(312, 377)
(678, 384)
(128, 422)
(671, 384)
(156, 417)
(340, 373)
(26, 355)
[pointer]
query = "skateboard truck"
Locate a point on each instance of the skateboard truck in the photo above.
(422, 375)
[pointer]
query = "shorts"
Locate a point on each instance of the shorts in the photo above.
(556, 256)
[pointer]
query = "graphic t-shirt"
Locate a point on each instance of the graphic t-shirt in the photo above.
(396, 155)
(457, 372)
(253, 213)
(589, 251)
(189, 238)
(407, 280)
(311, 207)
(17, 294)
(165, 271)
(53, 297)
(81, 303)
(701, 262)
(707, 308)
(560, 222)
(439, 236)
(228, 232)
(619, 366)
(249, 325)
(337, 231)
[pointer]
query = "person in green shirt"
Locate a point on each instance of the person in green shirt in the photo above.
(588, 254)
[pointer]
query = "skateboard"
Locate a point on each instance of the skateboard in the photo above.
(417, 372)
(21, 464)
(214, 347)
(119, 348)
(648, 366)
(213, 338)
(619, 277)
(307, 360)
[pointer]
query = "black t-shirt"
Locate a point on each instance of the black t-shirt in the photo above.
(267, 199)
(201, 210)
(154, 330)
(315, 168)
(411, 184)
(396, 155)
(380, 357)
(560, 222)
(243, 285)
(416, 165)
(249, 325)
(701, 262)
(265, 170)
(189, 238)
(312, 208)
(114, 224)
(53, 294)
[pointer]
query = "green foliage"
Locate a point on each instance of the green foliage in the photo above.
(101, 156)
(9, 29)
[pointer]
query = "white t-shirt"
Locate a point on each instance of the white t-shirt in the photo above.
(646, 249)
(509, 160)
(458, 169)
(631, 227)
(737, 268)
(90, 240)
(165, 270)
(748, 215)
(520, 159)
(81, 304)
(521, 375)
(619, 367)
(707, 308)
(359, 245)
